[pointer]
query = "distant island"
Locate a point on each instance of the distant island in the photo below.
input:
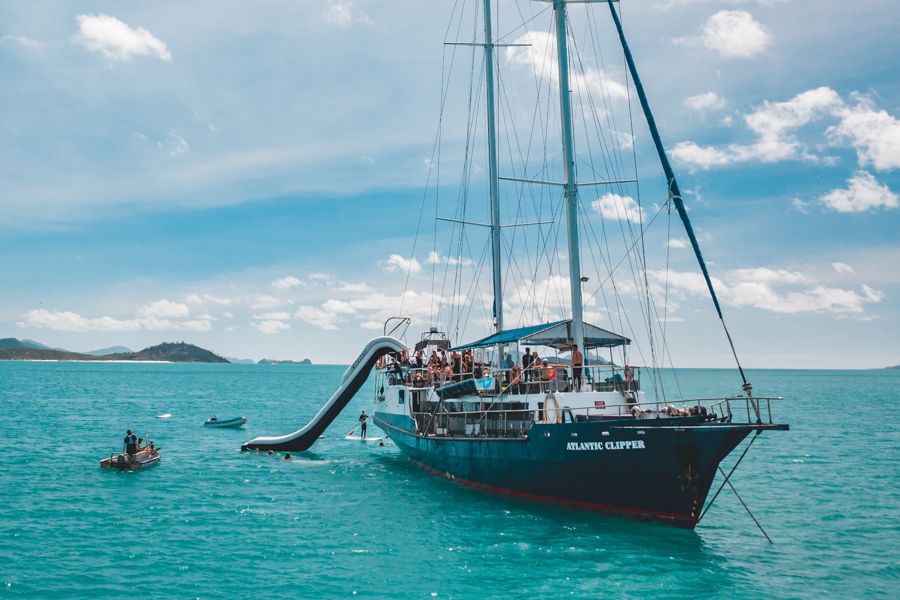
(110, 350)
(240, 361)
(13, 349)
(897, 367)
(270, 361)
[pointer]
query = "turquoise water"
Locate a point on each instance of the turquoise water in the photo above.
(351, 518)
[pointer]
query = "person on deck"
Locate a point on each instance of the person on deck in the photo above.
(362, 424)
(507, 367)
(526, 362)
(577, 366)
(130, 443)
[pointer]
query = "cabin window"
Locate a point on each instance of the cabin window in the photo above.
(402, 397)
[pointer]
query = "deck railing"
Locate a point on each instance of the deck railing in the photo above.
(534, 380)
(515, 423)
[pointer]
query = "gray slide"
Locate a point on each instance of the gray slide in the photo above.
(354, 378)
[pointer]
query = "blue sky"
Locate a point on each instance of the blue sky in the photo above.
(248, 176)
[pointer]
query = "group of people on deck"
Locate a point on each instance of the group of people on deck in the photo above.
(443, 366)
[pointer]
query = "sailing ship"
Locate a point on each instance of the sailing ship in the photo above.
(582, 432)
(585, 436)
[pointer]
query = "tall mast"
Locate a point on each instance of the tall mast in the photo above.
(493, 175)
(571, 187)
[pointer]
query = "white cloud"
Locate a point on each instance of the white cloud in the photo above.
(286, 283)
(175, 145)
(733, 34)
(23, 41)
(265, 302)
(842, 267)
(271, 327)
(358, 287)
(71, 321)
(320, 277)
(619, 208)
(343, 14)
(273, 316)
(678, 243)
(863, 192)
(703, 157)
(339, 307)
(437, 259)
(775, 290)
(317, 316)
(774, 124)
(874, 134)
(117, 41)
(705, 101)
(207, 298)
(164, 309)
(540, 57)
(395, 262)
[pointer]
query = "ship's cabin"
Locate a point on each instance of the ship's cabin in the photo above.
(504, 383)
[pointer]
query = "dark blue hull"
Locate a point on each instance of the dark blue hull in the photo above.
(655, 468)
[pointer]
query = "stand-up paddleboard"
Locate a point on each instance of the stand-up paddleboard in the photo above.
(357, 438)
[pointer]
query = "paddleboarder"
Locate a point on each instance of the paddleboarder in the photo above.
(362, 424)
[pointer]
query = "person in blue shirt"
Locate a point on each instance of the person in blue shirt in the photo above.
(130, 443)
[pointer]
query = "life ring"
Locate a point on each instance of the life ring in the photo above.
(557, 413)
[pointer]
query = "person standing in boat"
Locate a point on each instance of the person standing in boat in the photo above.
(131, 443)
(526, 362)
(362, 424)
(577, 366)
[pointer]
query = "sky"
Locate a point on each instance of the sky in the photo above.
(250, 177)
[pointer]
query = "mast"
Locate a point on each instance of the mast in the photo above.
(571, 187)
(493, 175)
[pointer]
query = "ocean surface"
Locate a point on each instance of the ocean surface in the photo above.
(357, 519)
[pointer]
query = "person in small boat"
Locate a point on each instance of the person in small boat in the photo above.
(131, 442)
(362, 424)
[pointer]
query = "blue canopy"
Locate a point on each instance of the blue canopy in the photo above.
(557, 334)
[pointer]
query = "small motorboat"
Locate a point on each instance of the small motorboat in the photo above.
(217, 422)
(143, 459)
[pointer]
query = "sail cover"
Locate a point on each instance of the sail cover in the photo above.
(556, 335)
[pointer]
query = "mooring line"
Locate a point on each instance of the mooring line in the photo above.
(747, 508)
(730, 473)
